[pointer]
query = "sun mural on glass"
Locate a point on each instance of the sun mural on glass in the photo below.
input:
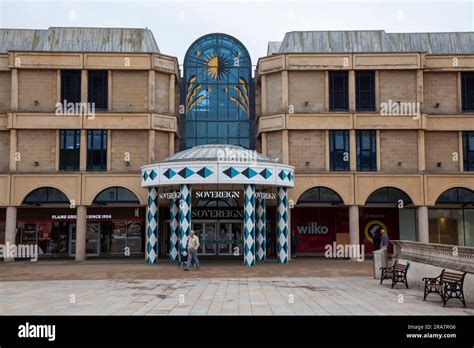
(216, 92)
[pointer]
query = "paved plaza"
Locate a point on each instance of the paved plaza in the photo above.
(192, 293)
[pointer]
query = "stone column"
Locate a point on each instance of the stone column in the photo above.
(260, 219)
(81, 225)
(422, 220)
(354, 225)
(185, 192)
(174, 227)
(152, 226)
(249, 225)
(282, 224)
(10, 230)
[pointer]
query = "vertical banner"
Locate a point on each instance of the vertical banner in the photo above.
(249, 225)
(282, 224)
(152, 226)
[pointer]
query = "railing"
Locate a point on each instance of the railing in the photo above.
(454, 257)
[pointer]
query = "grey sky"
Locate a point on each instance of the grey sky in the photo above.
(177, 24)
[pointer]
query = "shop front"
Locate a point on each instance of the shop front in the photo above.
(451, 220)
(110, 232)
(223, 193)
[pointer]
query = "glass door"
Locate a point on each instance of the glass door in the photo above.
(230, 237)
(207, 234)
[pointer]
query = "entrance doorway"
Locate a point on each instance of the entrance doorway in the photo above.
(220, 237)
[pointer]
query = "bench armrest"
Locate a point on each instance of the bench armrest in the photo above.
(434, 280)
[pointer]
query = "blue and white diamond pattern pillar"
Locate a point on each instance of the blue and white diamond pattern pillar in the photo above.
(184, 215)
(282, 224)
(260, 219)
(152, 226)
(174, 227)
(249, 225)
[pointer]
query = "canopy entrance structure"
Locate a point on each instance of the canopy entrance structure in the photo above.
(225, 167)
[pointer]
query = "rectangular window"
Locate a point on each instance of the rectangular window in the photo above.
(365, 90)
(468, 145)
(98, 89)
(69, 151)
(338, 91)
(339, 150)
(467, 91)
(70, 86)
(97, 150)
(366, 150)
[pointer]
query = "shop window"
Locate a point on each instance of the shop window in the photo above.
(338, 91)
(98, 89)
(468, 145)
(70, 86)
(366, 150)
(46, 195)
(116, 195)
(365, 90)
(321, 195)
(339, 150)
(389, 196)
(69, 152)
(467, 91)
(97, 150)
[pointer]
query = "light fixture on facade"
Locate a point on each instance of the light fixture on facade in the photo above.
(439, 164)
(400, 163)
(36, 163)
(437, 105)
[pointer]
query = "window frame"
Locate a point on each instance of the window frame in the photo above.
(334, 152)
(63, 135)
(103, 104)
(371, 92)
(66, 88)
(333, 74)
(372, 151)
(103, 150)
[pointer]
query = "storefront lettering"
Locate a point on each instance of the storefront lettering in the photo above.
(217, 194)
(217, 214)
(74, 217)
(312, 228)
(169, 195)
(265, 195)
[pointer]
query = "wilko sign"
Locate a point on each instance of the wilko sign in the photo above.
(314, 228)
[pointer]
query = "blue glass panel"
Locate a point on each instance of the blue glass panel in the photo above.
(216, 89)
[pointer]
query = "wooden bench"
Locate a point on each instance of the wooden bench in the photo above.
(448, 285)
(398, 274)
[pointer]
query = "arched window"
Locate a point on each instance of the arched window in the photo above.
(320, 195)
(217, 93)
(217, 203)
(457, 195)
(389, 196)
(46, 195)
(116, 195)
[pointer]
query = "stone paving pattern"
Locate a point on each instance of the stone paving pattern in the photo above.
(233, 296)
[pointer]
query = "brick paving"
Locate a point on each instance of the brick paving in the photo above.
(221, 287)
(216, 296)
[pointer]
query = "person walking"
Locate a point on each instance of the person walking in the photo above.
(383, 239)
(193, 245)
(377, 240)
